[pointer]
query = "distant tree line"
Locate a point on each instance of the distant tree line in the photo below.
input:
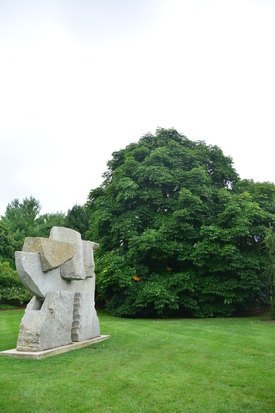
(180, 232)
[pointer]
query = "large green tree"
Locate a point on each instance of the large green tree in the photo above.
(179, 234)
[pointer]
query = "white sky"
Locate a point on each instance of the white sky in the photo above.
(81, 79)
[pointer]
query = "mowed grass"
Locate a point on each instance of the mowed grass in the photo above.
(178, 365)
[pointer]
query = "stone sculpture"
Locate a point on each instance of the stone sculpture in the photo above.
(59, 271)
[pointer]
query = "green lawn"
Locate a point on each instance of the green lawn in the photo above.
(178, 365)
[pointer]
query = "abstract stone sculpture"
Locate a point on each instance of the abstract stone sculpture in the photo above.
(59, 271)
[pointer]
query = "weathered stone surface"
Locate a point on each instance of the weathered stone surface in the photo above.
(95, 325)
(88, 258)
(63, 309)
(74, 268)
(84, 320)
(47, 324)
(29, 269)
(53, 253)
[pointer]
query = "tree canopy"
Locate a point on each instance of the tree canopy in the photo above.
(180, 233)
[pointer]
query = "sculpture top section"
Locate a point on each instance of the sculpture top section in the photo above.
(45, 263)
(52, 253)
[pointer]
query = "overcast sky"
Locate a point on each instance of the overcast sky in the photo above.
(82, 79)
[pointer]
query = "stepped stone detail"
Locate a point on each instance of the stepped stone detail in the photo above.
(76, 317)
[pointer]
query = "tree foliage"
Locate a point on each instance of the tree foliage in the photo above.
(11, 289)
(22, 219)
(78, 219)
(270, 269)
(180, 233)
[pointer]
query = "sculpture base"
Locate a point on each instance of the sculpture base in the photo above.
(38, 355)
